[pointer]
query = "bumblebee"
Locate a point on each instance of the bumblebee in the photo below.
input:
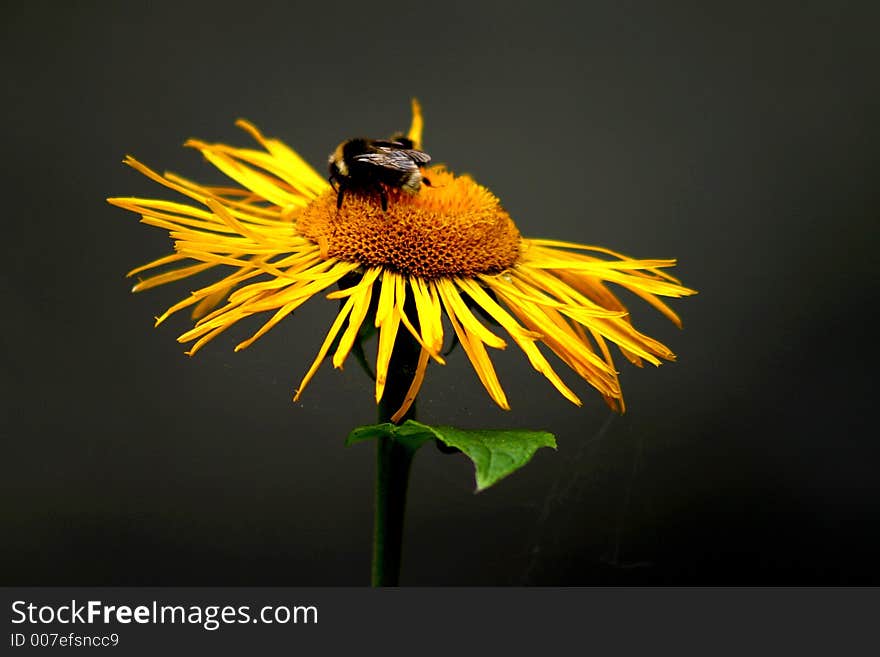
(372, 166)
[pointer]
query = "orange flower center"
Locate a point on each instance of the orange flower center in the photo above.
(455, 227)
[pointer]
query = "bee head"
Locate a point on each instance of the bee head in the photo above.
(338, 167)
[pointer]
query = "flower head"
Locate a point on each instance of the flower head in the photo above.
(450, 251)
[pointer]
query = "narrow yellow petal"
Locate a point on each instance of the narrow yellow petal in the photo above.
(545, 324)
(596, 249)
(616, 403)
(171, 213)
(665, 310)
(593, 288)
(523, 337)
(549, 261)
(454, 304)
(358, 314)
(164, 260)
(222, 317)
(289, 158)
(399, 303)
(387, 335)
(280, 314)
(429, 318)
(205, 339)
(170, 276)
(267, 187)
(336, 271)
(618, 330)
(207, 256)
(207, 291)
(414, 387)
(569, 348)
(572, 301)
(325, 346)
(302, 272)
(366, 281)
(243, 203)
(386, 297)
(208, 303)
(615, 329)
(480, 361)
(237, 226)
(299, 291)
(536, 294)
(415, 127)
(646, 274)
(437, 315)
(261, 297)
(282, 176)
(194, 193)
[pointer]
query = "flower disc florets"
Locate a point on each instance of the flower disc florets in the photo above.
(455, 227)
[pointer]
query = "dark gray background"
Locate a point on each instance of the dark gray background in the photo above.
(741, 140)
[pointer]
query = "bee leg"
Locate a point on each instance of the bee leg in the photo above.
(427, 181)
(333, 183)
(384, 198)
(340, 194)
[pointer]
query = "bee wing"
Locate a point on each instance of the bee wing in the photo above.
(397, 159)
(417, 156)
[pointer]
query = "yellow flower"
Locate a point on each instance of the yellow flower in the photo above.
(449, 250)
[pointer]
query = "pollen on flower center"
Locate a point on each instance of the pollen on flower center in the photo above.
(455, 227)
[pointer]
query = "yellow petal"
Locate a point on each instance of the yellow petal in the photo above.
(454, 305)
(325, 346)
(480, 361)
(414, 387)
(359, 311)
(415, 128)
(523, 337)
(387, 335)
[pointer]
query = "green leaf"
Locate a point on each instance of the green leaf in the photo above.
(369, 432)
(495, 453)
(404, 434)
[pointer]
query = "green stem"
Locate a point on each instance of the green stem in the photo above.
(393, 460)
